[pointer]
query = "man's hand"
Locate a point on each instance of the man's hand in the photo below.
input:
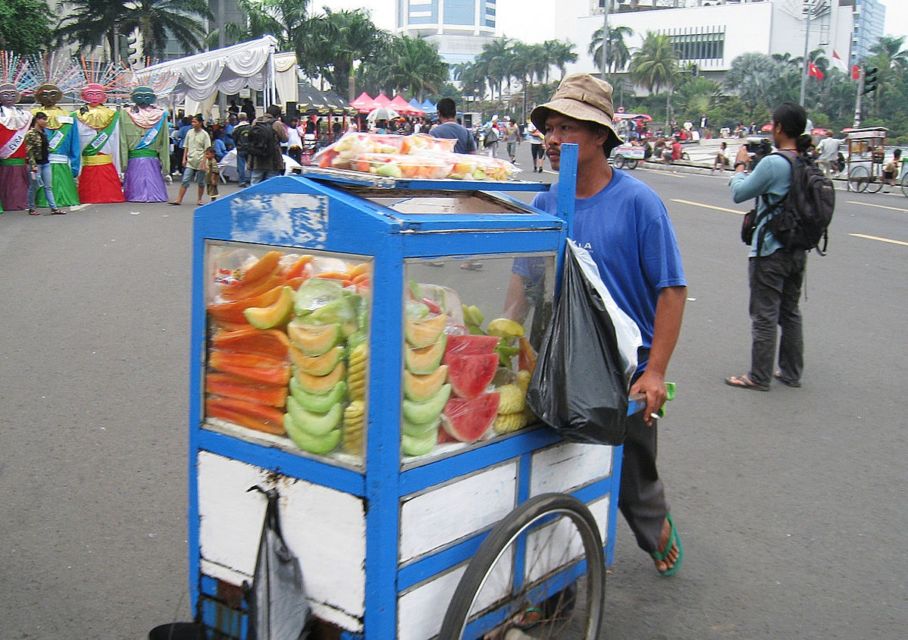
(652, 385)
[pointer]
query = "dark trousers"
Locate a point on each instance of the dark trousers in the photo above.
(642, 497)
(775, 288)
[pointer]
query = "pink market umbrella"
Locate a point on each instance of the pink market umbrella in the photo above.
(364, 103)
(401, 106)
(766, 128)
(381, 100)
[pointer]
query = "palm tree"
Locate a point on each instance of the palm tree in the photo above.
(497, 56)
(755, 77)
(889, 48)
(160, 20)
(655, 66)
(559, 54)
(91, 23)
(618, 54)
(413, 66)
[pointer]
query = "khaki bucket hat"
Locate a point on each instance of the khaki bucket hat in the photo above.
(582, 97)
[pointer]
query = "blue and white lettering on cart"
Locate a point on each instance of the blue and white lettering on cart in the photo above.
(280, 219)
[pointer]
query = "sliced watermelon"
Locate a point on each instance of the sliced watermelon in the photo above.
(469, 346)
(468, 420)
(470, 375)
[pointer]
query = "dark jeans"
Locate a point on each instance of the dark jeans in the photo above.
(642, 496)
(775, 288)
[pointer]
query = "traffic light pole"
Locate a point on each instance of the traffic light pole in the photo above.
(857, 102)
(806, 56)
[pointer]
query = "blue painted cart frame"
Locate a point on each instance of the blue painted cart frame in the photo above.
(352, 225)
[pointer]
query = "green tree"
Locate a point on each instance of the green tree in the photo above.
(619, 56)
(24, 36)
(559, 54)
(160, 20)
(752, 76)
(412, 66)
(91, 23)
(655, 66)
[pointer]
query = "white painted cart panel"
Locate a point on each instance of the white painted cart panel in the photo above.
(566, 466)
(455, 510)
(325, 528)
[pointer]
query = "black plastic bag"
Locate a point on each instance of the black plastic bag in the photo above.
(578, 387)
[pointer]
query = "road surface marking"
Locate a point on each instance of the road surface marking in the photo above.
(890, 241)
(878, 206)
(708, 206)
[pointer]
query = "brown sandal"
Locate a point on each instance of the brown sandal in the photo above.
(744, 382)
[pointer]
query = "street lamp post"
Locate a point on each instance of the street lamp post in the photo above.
(809, 11)
(605, 8)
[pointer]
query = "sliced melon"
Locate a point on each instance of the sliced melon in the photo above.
(320, 385)
(419, 429)
(315, 424)
(418, 445)
(422, 333)
(316, 365)
(425, 360)
(313, 340)
(318, 403)
(275, 314)
(313, 444)
(421, 388)
(422, 412)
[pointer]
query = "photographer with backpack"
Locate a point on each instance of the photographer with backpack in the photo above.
(794, 206)
(263, 153)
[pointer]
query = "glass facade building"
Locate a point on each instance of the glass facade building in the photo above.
(869, 27)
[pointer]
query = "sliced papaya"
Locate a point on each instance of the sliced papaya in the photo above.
(233, 311)
(313, 340)
(228, 386)
(422, 412)
(217, 359)
(320, 385)
(251, 340)
(359, 269)
(316, 365)
(315, 424)
(422, 333)
(275, 314)
(261, 375)
(421, 388)
(246, 414)
(318, 403)
(298, 268)
(319, 445)
(425, 360)
(264, 266)
(333, 275)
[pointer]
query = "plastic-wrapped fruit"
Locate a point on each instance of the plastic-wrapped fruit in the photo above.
(509, 422)
(354, 423)
(315, 402)
(512, 399)
(418, 446)
(313, 340)
(422, 412)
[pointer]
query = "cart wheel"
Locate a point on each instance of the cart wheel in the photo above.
(905, 185)
(858, 179)
(631, 163)
(619, 161)
(563, 591)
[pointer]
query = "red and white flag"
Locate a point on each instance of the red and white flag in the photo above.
(814, 71)
(837, 62)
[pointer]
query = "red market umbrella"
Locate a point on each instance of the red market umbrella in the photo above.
(381, 100)
(401, 106)
(364, 103)
(766, 128)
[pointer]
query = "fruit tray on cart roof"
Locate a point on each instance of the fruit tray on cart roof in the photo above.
(353, 179)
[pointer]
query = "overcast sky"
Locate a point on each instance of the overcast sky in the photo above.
(528, 19)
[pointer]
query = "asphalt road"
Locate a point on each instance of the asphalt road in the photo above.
(790, 503)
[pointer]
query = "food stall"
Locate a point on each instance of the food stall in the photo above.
(352, 349)
(866, 150)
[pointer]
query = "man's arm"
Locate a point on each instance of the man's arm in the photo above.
(744, 187)
(666, 329)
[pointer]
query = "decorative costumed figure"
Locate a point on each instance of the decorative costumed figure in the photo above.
(145, 141)
(15, 77)
(99, 136)
(57, 76)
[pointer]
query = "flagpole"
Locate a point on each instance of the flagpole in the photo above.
(806, 53)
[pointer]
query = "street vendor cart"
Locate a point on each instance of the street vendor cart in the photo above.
(350, 352)
(866, 151)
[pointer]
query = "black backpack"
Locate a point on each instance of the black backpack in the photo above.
(241, 138)
(262, 142)
(801, 219)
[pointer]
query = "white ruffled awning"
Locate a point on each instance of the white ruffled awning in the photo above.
(248, 64)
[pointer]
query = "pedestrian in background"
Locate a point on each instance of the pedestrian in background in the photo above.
(212, 173)
(448, 128)
(195, 143)
(241, 144)
(267, 162)
(37, 155)
(512, 133)
(775, 273)
(537, 148)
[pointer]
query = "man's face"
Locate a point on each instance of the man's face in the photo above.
(9, 95)
(196, 124)
(561, 129)
(48, 95)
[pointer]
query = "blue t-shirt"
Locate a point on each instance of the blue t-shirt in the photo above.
(453, 131)
(773, 178)
(627, 231)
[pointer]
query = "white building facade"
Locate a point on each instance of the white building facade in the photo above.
(712, 33)
(458, 28)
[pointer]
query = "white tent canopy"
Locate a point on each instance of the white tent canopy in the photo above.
(248, 64)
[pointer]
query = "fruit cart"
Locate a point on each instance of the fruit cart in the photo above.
(350, 350)
(866, 150)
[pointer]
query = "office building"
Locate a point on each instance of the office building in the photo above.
(869, 25)
(458, 28)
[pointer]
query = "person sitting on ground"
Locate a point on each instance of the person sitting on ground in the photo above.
(677, 150)
(891, 169)
(721, 161)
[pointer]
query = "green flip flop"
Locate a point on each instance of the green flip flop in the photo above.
(674, 540)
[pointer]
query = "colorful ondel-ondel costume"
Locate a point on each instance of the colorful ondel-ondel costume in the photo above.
(15, 77)
(56, 77)
(145, 142)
